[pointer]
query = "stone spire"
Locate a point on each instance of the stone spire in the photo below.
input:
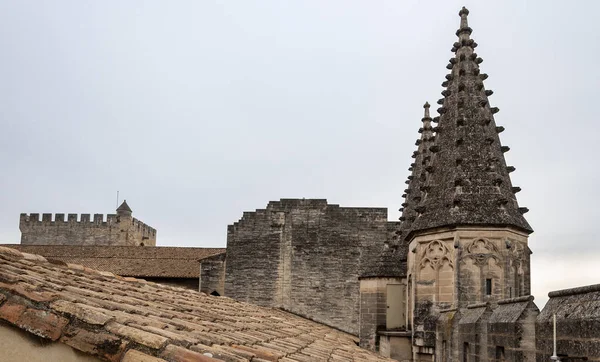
(391, 259)
(420, 170)
(469, 182)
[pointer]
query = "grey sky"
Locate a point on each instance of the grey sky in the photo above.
(197, 111)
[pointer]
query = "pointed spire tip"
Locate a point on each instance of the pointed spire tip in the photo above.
(463, 31)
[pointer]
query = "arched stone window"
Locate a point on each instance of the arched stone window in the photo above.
(437, 268)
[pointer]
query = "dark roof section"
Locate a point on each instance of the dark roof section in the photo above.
(389, 259)
(129, 261)
(126, 319)
(124, 207)
(420, 169)
(470, 183)
(389, 263)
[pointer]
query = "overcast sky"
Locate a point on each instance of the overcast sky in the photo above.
(199, 110)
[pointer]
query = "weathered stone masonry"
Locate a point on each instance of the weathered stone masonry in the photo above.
(212, 274)
(119, 229)
(577, 313)
(304, 256)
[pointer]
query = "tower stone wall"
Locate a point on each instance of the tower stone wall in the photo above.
(212, 275)
(454, 268)
(119, 229)
(304, 256)
(449, 270)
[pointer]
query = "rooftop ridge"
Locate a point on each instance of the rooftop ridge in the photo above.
(525, 298)
(470, 184)
(574, 291)
(478, 305)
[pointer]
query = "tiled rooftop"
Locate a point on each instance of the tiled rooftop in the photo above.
(126, 319)
(131, 261)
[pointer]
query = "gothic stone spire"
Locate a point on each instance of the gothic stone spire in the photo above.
(420, 170)
(470, 182)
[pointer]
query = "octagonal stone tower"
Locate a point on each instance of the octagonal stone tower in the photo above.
(466, 232)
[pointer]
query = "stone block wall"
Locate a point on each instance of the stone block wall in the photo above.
(457, 267)
(452, 268)
(511, 330)
(473, 332)
(447, 335)
(55, 230)
(212, 275)
(488, 332)
(396, 345)
(305, 256)
(577, 313)
(254, 250)
(373, 309)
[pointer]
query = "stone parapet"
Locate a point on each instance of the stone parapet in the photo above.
(83, 229)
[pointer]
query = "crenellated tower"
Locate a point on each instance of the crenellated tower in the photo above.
(466, 232)
(120, 229)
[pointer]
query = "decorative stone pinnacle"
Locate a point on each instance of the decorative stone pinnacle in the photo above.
(463, 31)
(463, 13)
(426, 106)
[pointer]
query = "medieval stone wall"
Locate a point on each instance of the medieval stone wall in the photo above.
(114, 230)
(459, 267)
(472, 336)
(212, 275)
(253, 258)
(511, 330)
(373, 310)
(304, 256)
(455, 266)
(488, 332)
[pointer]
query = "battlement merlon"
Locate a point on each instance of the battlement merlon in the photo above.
(286, 205)
(47, 218)
(27, 221)
(143, 227)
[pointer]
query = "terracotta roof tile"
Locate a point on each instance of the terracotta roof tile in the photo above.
(117, 318)
(176, 353)
(42, 323)
(88, 342)
(137, 356)
(82, 312)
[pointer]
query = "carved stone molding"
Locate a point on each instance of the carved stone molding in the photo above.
(435, 253)
(481, 250)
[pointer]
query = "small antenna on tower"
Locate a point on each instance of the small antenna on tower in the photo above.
(117, 199)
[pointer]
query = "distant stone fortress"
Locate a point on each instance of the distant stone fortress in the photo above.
(120, 229)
